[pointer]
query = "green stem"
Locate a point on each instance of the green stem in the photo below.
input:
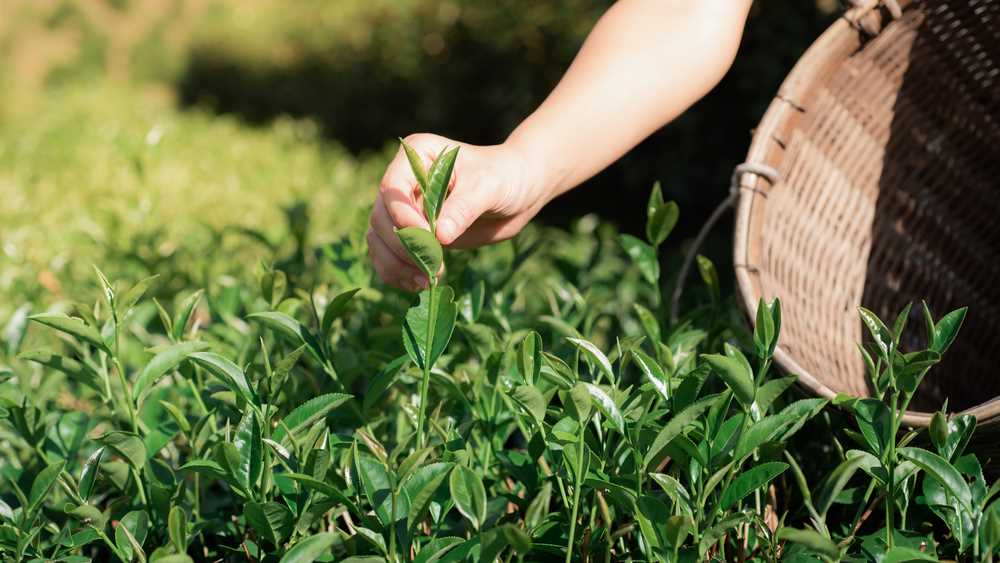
(426, 380)
(127, 390)
(890, 462)
(576, 495)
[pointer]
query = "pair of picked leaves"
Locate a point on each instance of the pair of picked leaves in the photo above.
(429, 324)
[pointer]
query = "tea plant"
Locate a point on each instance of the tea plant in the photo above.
(530, 404)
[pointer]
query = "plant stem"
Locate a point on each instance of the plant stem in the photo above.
(576, 494)
(127, 391)
(890, 496)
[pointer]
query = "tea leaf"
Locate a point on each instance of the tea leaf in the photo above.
(313, 484)
(875, 422)
(248, 442)
(126, 444)
(228, 372)
(335, 309)
(375, 482)
(942, 471)
(89, 473)
(77, 371)
(424, 248)
(539, 507)
(272, 520)
(428, 326)
(436, 549)
(308, 413)
(381, 382)
(660, 224)
(164, 362)
(177, 528)
(880, 333)
(644, 257)
(438, 179)
(74, 327)
(517, 539)
(946, 329)
(430, 479)
(675, 490)
(416, 165)
(710, 276)
(130, 534)
(469, 494)
(749, 481)
(676, 426)
(811, 540)
(737, 376)
(607, 406)
(531, 400)
(132, 296)
(652, 372)
(309, 549)
(42, 484)
(184, 314)
(595, 355)
(530, 358)
(291, 329)
(649, 323)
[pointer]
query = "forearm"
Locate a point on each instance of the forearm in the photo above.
(645, 63)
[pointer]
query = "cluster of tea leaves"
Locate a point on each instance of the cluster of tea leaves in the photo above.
(533, 404)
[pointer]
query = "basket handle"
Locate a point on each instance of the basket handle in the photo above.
(764, 170)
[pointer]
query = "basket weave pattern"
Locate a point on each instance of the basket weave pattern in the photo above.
(888, 149)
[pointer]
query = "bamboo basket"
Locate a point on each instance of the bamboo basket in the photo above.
(884, 151)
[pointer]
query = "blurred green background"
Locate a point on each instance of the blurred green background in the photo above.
(143, 135)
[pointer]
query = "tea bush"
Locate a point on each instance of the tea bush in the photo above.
(532, 404)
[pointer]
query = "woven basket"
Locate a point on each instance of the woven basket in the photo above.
(886, 142)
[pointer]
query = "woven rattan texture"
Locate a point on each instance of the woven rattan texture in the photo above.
(890, 193)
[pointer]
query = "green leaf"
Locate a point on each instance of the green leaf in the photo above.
(308, 413)
(334, 309)
(430, 478)
(675, 427)
(438, 178)
(595, 355)
(376, 484)
(875, 422)
(749, 481)
(607, 406)
(177, 528)
(652, 372)
(163, 362)
(946, 329)
(382, 381)
(531, 400)
(74, 327)
(771, 390)
(228, 372)
(649, 323)
(291, 329)
(737, 376)
(132, 296)
(89, 516)
(812, 540)
(767, 328)
(184, 314)
(436, 549)
(42, 484)
(517, 539)
(469, 494)
(939, 469)
(880, 333)
(77, 371)
(539, 506)
(675, 490)
(530, 357)
(130, 534)
(644, 257)
(249, 444)
(660, 224)
(89, 473)
(709, 275)
(272, 520)
(313, 484)
(771, 427)
(416, 165)
(429, 325)
(424, 248)
(310, 549)
(126, 444)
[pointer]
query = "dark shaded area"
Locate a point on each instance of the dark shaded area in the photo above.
(936, 235)
(478, 89)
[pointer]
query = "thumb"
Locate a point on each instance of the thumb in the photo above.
(461, 208)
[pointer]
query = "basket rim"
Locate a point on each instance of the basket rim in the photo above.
(753, 189)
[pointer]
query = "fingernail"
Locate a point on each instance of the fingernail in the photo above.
(446, 229)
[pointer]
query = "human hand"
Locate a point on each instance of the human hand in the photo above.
(492, 197)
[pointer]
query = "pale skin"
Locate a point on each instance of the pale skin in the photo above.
(643, 64)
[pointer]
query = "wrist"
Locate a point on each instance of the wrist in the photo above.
(537, 177)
